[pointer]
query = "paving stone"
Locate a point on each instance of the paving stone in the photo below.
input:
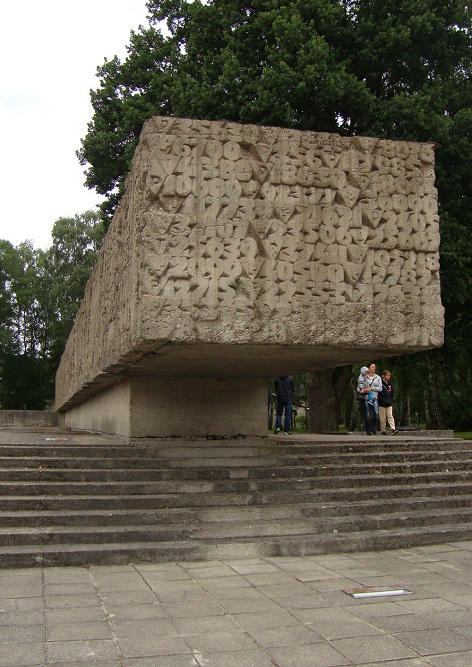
(169, 596)
(240, 606)
(214, 572)
(120, 599)
(141, 630)
(78, 630)
(152, 646)
(160, 587)
(323, 585)
(206, 625)
(21, 589)
(92, 663)
(308, 655)
(326, 615)
(66, 575)
(237, 593)
(279, 619)
(64, 601)
(143, 568)
(177, 574)
(427, 606)
(276, 592)
(286, 636)
(159, 661)
(311, 601)
(69, 588)
(22, 634)
(22, 655)
(452, 660)
(442, 640)
(15, 617)
(220, 642)
(233, 659)
(252, 566)
(220, 583)
(270, 579)
(22, 604)
(77, 651)
(119, 582)
(73, 615)
(373, 648)
(138, 612)
(413, 662)
(345, 629)
(193, 609)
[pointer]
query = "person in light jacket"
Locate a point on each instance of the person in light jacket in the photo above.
(369, 386)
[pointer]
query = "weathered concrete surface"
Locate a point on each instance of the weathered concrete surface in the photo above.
(26, 418)
(244, 252)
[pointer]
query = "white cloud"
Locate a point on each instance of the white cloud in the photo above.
(49, 52)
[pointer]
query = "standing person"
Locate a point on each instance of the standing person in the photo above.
(284, 390)
(385, 405)
(369, 385)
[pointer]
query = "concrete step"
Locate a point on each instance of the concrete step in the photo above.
(152, 472)
(228, 450)
(191, 550)
(210, 498)
(311, 480)
(245, 527)
(330, 511)
(66, 503)
(211, 466)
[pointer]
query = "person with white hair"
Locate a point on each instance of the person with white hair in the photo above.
(369, 385)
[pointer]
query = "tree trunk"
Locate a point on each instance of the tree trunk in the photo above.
(325, 390)
(434, 413)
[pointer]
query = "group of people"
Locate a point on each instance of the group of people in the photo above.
(375, 395)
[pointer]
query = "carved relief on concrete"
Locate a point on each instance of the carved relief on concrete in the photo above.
(267, 220)
(240, 234)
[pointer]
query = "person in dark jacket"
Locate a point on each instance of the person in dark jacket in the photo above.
(284, 390)
(385, 404)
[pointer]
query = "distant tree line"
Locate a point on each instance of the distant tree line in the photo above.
(40, 293)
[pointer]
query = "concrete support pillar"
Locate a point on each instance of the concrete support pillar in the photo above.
(141, 407)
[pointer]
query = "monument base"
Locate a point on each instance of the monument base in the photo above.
(153, 407)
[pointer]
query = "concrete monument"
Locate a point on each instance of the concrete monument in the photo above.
(239, 252)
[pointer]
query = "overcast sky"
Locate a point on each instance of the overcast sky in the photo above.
(49, 53)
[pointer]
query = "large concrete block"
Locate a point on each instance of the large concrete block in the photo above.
(241, 251)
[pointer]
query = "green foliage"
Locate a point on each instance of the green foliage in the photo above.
(40, 293)
(68, 263)
(26, 383)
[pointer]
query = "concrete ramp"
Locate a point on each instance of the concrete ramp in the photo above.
(240, 252)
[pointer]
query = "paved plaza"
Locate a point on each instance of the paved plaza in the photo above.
(265, 612)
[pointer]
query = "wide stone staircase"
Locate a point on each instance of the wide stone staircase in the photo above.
(81, 499)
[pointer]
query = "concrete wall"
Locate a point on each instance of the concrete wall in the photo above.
(200, 406)
(145, 407)
(27, 418)
(105, 412)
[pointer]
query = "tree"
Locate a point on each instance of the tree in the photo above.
(40, 293)
(68, 264)
(389, 68)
